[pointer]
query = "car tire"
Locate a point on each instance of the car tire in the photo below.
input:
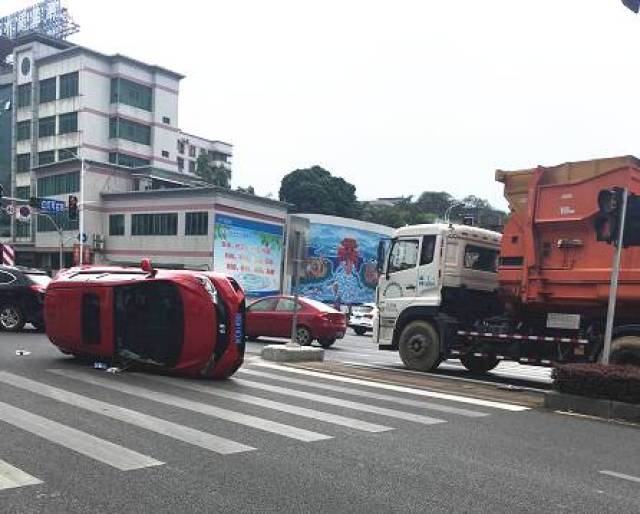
(11, 318)
(625, 350)
(479, 364)
(303, 336)
(326, 343)
(419, 346)
(360, 331)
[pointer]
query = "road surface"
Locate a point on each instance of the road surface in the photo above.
(279, 439)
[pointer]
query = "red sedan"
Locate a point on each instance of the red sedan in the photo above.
(186, 322)
(273, 316)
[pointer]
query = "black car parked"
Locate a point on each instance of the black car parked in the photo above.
(21, 297)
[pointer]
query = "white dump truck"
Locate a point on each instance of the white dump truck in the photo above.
(435, 279)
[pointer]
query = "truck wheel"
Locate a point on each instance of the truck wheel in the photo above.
(625, 350)
(479, 364)
(419, 346)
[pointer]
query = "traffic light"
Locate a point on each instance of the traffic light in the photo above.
(634, 5)
(73, 207)
(607, 222)
(632, 223)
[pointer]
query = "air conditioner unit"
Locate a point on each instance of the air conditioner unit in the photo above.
(98, 242)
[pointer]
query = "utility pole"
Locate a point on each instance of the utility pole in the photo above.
(615, 272)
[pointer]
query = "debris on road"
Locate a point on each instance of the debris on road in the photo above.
(22, 353)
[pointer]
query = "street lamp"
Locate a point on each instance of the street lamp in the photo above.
(447, 213)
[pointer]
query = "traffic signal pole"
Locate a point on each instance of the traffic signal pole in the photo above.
(613, 288)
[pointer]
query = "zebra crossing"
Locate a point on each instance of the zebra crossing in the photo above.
(335, 406)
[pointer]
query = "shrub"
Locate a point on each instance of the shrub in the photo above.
(620, 383)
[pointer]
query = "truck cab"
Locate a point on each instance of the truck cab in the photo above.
(433, 278)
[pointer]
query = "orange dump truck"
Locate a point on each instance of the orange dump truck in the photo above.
(554, 274)
(537, 294)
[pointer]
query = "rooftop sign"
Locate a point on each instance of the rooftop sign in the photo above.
(46, 17)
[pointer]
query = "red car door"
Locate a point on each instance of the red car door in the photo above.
(260, 318)
(283, 318)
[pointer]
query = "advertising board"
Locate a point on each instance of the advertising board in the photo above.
(250, 251)
(341, 264)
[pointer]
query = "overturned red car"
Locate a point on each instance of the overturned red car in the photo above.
(189, 323)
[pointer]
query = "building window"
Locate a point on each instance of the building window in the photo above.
(129, 130)
(61, 220)
(47, 90)
(166, 121)
(46, 157)
(192, 151)
(47, 126)
(116, 225)
(23, 162)
(196, 224)
(202, 151)
(23, 130)
(217, 156)
(192, 166)
(165, 154)
(180, 147)
(69, 85)
(67, 153)
(24, 95)
(180, 164)
(130, 93)
(165, 224)
(68, 123)
(129, 161)
(23, 192)
(64, 183)
(23, 229)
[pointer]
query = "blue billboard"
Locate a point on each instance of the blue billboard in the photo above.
(341, 264)
(250, 251)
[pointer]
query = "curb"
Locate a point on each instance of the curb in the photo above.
(602, 408)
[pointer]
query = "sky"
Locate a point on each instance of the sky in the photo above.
(396, 97)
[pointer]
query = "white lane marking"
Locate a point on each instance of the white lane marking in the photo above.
(399, 389)
(80, 442)
(320, 398)
(12, 478)
(366, 394)
(201, 408)
(269, 404)
(622, 476)
(160, 426)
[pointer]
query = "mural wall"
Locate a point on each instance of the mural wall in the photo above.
(249, 251)
(342, 263)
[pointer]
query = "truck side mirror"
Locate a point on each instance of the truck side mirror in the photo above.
(381, 256)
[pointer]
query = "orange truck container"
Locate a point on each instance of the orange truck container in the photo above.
(554, 274)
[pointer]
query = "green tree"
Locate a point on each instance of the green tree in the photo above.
(434, 202)
(214, 175)
(247, 190)
(314, 190)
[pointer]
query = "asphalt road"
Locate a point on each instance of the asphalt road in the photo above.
(361, 350)
(273, 439)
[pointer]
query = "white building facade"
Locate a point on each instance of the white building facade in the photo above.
(116, 114)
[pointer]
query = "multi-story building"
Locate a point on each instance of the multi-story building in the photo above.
(62, 105)
(191, 147)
